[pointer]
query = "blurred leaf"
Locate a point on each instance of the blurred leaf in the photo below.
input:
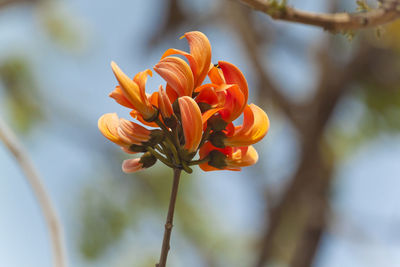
(62, 26)
(21, 92)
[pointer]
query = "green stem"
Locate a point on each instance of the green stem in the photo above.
(205, 136)
(166, 151)
(172, 148)
(196, 162)
(159, 156)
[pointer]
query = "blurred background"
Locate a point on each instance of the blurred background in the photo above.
(325, 192)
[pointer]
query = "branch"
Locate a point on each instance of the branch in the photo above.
(387, 12)
(50, 214)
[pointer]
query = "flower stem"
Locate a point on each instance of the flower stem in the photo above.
(159, 156)
(196, 162)
(170, 217)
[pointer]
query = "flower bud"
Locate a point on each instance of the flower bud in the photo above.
(156, 136)
(137, 148)
(217, 139)
(217, 159)
(147, 160)
(216, 123)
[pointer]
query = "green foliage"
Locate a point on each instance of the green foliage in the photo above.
(362, 6)
(104, 223)
(21, 93)
(64, 29)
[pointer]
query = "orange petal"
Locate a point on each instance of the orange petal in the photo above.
(133, 92)
(132, 132)
(255, 127)
(234, 104)
(200, 49)
(242, 157)
(136, 115)
(108, 126)
(191, 122)
(177, 74)
(118, 95)
(234, 76)
(164, 103)
(132, 165)
(216, 76)
(199, 57)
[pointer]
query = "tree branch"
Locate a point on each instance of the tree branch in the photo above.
(387, 12)
(53, 222)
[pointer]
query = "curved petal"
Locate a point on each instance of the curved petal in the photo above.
(199, 57)
(133, 92)
(242, 157)
(233, 75)
(108, 126)
(132, 132)
(177, 74)
(234, 104)
(255, 127)
(164, 103)
(192, 123)
(119, 97)
(131, 165)
(216, 76)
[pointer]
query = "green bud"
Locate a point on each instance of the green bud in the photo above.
(137, 148)
(217, 159)
(154, 117)
(204, 106)
(187, 156)
(217, 139)
(148, 160)
(176, 108)
(216, 123)
(156, 137)
(170, 122)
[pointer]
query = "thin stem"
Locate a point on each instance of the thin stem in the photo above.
(166, 151)
(205, 136)
(53, 222)
(172, 147)
(170, 217)
(159, 156)
(196, 162)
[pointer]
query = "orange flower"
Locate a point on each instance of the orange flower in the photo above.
(229, 158)
(255, 127)
(189, 115)
(177, 74)
(199, 57)
(192, 123)
(133, 92)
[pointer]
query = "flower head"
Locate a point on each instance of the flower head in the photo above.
(190, 115)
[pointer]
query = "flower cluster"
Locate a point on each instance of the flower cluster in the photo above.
(187, 116)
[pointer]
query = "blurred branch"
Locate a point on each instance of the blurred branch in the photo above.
(387, 12)
(50, 214)
(241, 21)
(298, 221)
(4, 3)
